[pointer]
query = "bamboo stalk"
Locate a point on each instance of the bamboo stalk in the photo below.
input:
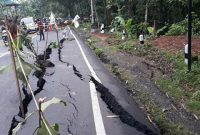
(39, 111)
(56, 27)
(15, 70)
(57, 36)
(46, 44)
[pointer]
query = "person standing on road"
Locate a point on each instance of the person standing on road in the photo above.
(41, 30)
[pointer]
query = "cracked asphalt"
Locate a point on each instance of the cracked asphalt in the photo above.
(69, 81)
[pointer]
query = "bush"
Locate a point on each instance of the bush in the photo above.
(94, 26)
(162, 31)
(126, 47)
(118, 23)
(142, 26)
(151, 32)
(98, 52)
(195, 24)
(176, 29)
(196, 27)
(129, 26)
(132, 28)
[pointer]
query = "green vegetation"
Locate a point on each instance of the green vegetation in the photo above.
(98, 52)
(180, 85)
(136, 16)
(129, 14)
(129, 26)
(154, 112)
(180, 28)
(175, 30)
(183, 86)
(118, 23)
(43, 128)
(127, 47)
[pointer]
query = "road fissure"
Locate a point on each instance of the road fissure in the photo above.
(98, 120)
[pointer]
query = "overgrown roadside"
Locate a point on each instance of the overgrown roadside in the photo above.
(152, 79)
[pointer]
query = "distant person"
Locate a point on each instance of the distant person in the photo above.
(41, 30)
(24, 26)
(141, 38)
(4, 35)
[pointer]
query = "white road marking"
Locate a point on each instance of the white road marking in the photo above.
(99, 125)
(100, 130)
(4, 54)
(113, 116)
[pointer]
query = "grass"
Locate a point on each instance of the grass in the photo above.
(173, 89)
(152, 109)
(85, 26)
(127, 47)
(183, 86)
(98, 52)
(194, 105)
(143, 98)
(118, 35)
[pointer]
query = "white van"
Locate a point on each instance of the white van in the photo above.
(29, 22)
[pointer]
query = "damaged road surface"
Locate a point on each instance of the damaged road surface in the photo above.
(96, 102)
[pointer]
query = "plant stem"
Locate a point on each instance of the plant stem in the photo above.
(39, 111)
(56, 26)
(46, 46)
(15, 71)
(57, 37)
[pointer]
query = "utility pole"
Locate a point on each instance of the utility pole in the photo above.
(189, 35)
(92, 12)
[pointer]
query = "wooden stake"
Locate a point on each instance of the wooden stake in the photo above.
(41, 100)
(15, 70)
(39, 111)
(46, 44)
(57, 37)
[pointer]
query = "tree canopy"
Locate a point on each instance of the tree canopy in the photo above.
(163, 12)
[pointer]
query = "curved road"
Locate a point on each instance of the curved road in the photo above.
(96, 102)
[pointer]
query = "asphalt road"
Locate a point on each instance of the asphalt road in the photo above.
(98, 106)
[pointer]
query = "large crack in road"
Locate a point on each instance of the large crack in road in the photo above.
(26, 101)
(106, 96)
(76, 72)
(39, 74)
(117, 109)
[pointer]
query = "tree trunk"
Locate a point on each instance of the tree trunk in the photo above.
(106, 12)
(92, 12)
(146, 16)
(146, 12)
(130, 10)
(96, 18)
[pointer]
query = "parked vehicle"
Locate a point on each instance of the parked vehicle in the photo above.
(30, 24)
(5, 37)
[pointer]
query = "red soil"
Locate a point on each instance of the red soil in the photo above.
(176, 43)
(101, 36)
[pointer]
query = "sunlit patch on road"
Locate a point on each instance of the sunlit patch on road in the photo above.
(4, 54)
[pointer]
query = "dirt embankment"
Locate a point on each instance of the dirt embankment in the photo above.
(176, 43)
